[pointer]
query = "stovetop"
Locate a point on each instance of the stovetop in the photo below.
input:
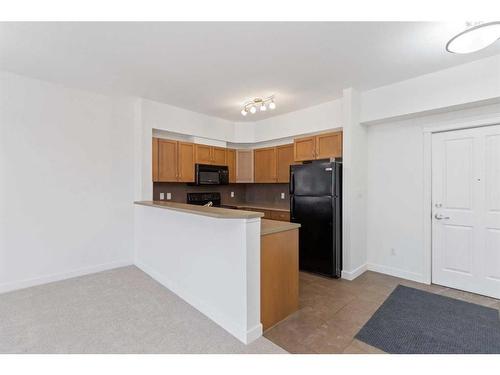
(201, 199)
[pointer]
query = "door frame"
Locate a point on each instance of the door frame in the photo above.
(427, 208)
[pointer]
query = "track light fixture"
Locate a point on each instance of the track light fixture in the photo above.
(258, 104)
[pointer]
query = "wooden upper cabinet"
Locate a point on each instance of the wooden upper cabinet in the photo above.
(322, 146)
(304, 148)
(210, 155)
(154, 161)
(231, 164)
(284, 158)
(218, 156)
(244, 166)
(185, 161)
(203, 154)
(329, 145)
(167, 160)
(265, 165)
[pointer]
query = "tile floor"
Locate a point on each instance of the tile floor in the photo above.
(333, 311)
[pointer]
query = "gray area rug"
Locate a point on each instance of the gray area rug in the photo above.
(116, 311)
(412, 321)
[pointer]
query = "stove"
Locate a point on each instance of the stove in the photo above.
(201, 199)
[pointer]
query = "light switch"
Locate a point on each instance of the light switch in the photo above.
(169, 196)
(162, 196)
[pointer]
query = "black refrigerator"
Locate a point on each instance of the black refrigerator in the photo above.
(316, 204)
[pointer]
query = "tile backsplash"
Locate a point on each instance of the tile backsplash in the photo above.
(258, 194)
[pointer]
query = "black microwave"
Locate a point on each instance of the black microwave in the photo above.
(211, 174)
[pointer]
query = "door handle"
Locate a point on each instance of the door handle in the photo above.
(441, 217)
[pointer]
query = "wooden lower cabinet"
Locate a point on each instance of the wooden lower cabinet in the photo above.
(279, 276)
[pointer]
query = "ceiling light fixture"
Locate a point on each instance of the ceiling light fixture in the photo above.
(258, 103)
(477, 36)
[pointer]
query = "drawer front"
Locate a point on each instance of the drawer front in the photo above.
(280, 215)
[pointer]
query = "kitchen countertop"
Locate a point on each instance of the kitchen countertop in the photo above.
(275, 226)
(217, 212)
(260, 207)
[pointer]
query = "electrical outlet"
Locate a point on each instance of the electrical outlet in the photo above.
(169, 196)
(232, 194)
(282, 195)
(393, 251)
(162, 196)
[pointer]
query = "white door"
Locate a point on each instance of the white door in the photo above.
(466, 210)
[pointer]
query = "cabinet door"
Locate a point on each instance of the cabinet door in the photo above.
(304, 148)
(284, 158)
(167, 160)
(155, 159)
(244, 165)
(329, 145)
(265, 164)
(218, 156)
(231, 164)
(203, 154)
(185, 162)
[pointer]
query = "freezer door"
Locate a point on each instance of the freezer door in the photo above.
(317, 242)
(312, 179)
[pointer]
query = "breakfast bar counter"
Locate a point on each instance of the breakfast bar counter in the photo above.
(239, 270)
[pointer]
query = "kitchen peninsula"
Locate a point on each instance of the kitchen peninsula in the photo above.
(239, 270)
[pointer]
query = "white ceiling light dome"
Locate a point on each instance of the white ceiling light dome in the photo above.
(475, 38)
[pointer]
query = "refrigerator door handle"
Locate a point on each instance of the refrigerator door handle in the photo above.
(292, 182)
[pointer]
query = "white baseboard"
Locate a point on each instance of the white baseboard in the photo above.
(351, 275)
(241, 333)
(397, 272)
(16, 285)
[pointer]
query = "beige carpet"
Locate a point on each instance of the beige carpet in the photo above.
(116, 311)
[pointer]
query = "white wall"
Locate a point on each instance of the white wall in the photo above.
(166, 117)
(462, 85)
(66, 182)
(354, 187)
(395, 195)
(309, 120)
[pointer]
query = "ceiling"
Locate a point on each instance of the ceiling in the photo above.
(213, 68)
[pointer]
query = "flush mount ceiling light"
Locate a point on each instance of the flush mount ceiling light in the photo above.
(258, 104)
(477, 36)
